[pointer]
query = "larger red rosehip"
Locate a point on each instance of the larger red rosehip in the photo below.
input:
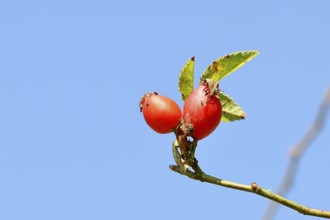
(161, 113)
(203, 110)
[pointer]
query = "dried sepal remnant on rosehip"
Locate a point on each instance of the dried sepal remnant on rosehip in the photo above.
(161, 113)
(202, 109)
(211, 86)
(142, 100)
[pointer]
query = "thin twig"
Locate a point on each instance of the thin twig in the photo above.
(297, 152)
(253, 188)
(195, 172)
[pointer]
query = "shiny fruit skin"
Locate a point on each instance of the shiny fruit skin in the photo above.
(161, 113)
(203, 110)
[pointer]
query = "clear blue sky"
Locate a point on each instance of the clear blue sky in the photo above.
(73, 144)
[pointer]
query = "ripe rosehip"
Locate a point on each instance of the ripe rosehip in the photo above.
(161, 113)
(203, 110)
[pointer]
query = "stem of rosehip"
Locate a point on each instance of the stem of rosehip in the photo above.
(184, 159)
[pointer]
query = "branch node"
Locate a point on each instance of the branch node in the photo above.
(255, 187)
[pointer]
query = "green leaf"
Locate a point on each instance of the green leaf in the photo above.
(186, 79)
(227, 64)
(230, 110)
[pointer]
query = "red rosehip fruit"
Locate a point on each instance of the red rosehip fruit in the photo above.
(202, 109)
(161, 113)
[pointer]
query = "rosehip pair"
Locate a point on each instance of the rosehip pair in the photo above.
(202, 109)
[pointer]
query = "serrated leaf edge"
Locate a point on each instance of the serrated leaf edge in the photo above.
(239, 117)
(184, 96)
(255, 53)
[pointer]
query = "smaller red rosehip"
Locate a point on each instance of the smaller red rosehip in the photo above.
(161, 113)
(202, 109)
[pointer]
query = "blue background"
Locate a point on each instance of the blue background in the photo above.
(73, 144)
